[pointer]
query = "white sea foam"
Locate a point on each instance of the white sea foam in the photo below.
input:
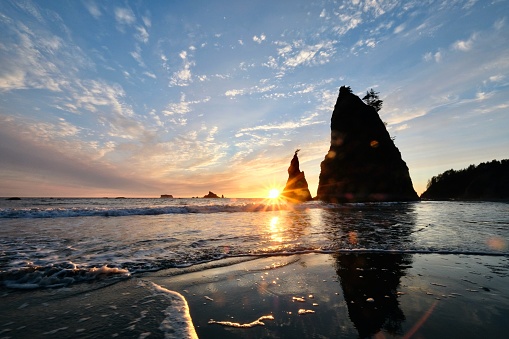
(257, 322)
(57, 276)
(178, 322)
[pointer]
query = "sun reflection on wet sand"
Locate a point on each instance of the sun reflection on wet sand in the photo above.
(497, 243)
(352, 237)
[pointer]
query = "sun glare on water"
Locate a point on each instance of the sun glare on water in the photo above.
(274, 193)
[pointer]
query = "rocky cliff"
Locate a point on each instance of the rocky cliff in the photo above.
(362, 164)
(296, 189)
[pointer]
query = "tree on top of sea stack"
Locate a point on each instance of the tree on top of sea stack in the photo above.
(362, 164)
(296, 189)
(372, 99)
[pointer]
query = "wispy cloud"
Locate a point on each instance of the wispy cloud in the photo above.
(249, 91)
(298, 53)
(150, 75)
(146, 21)
(183, 77)
(259, 39)
(124, 16)
(32, 60)
(499, 24)
(175, 111)
(141, 34)
(136, 54)
(306, 121)
(93, 9)
(464, 45)
(314, 54)
(399, 29)
(348, 22)
(437, 56)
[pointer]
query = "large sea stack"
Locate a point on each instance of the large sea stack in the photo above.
(296, 189)
(362, 164)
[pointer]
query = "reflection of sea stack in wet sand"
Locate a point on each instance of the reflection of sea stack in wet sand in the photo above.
(370, 287)
(296, 189)
(362, 164)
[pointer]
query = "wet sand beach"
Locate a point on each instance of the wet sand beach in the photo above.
(351, 295)
(348, 295)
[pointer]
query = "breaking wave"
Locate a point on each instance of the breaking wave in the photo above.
(45, 212)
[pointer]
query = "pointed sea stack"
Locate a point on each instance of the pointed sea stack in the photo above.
(296, 189)
(362, 164)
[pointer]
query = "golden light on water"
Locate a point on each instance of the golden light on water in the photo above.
(275, 230)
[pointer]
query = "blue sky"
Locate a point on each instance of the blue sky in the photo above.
(141, 98)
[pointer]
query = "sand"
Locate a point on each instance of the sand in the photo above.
(298, 296)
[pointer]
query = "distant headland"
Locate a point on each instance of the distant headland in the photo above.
(486, 181)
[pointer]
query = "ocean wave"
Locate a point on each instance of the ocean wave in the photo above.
(51, 212)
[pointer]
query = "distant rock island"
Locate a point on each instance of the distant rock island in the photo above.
(362, 164)
(296, 189)
(166, 196)
(486, 181)
(211, 195)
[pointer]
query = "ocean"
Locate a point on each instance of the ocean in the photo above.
(62, 244)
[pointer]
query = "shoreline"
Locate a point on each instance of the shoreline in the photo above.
(348, 295)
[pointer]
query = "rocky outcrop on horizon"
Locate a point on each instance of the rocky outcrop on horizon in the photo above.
(296, 189)
(211, 195)
(362, 164)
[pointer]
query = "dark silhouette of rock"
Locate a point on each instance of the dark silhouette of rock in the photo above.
(211, 195)
(486, 181)
(362, 164)
(296, 189)
(13, 198)
(166, 196)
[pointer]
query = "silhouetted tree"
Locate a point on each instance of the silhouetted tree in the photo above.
(372, 99)
(344, 89)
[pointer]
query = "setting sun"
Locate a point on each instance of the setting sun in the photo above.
(274, 193)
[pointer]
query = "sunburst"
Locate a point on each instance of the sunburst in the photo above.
(274, 193)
